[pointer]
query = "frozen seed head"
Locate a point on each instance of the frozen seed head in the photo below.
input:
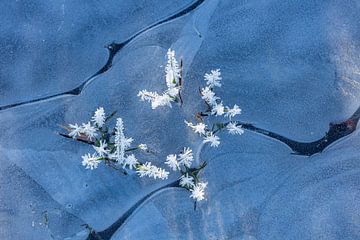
(89, 130)
(232, 112)
(186, 157)
(198, 191)
(213, 79)
(234, 129)
(172, 70)
(212, 139)
(150, 170)
(101, 150)
(130, 161)
(187, 181)
(90, 161)
(75, 131)
(218, 109)
(171, 161)
(99, 117)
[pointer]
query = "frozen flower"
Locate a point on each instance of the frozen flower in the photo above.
(232, 112)
(90, 161)
(130, 161)
(143, 147)
(149, 170)
(120, 141)
(99, 117)
(172, 162)
(75, 130)
(101, 149)
(198, 128)
(209, 96)
(213, 79)
(198, 191)
(234, 129)
(89, 130)
(186, 181)
(212, 139)
(172, 70)
(161, 100)
(218, 109)
(186, 157)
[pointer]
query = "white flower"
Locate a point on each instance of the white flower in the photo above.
(172, 162)
(234, 129)
(75, 130)
(198, 128)
(209, 96)
(161, 100)
(187, 181)
(232, 112)
(99, 117)
(218, 109)
(212, 139)
(101, 150)
(120, 141)
(143, 147)
(198, 192)
(90, 161)
(172, 70)
(186, 157)
(89, 130)
(213, 79)
(130, 161)
(149, 170)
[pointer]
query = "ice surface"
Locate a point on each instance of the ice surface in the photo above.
(293, 67)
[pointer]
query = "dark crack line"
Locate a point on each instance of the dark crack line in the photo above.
(109, 232)
(336, 131)
(113, 49)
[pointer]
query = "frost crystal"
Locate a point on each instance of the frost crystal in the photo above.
(76, 130)
(187, 181)
(89, 130)
(143, 147)
(130, 161)
(90, 161)
(101, 150)
(232, 112)
(149, 170)
(212, 139)
(213, 79)
(186, 157)
(120, 141)
(198, 192)
(198, 128)
(234, 129)
(172, 162)
(218, 109)
(99, 117)
(172, 70)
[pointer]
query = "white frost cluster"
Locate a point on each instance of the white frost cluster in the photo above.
(114, 151)
(215, 108)
(172, 76)
(198, 191)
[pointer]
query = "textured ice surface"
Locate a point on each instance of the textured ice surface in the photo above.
(293, 66)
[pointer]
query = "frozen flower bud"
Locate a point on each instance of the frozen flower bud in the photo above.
(198, 192)
(232, 112)
(172, 162)
(186, 157)
(234, 129)
(90, 161)
(186, 181)
(143, 147)
(212, 139)
(99, 117)
(213, 79)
